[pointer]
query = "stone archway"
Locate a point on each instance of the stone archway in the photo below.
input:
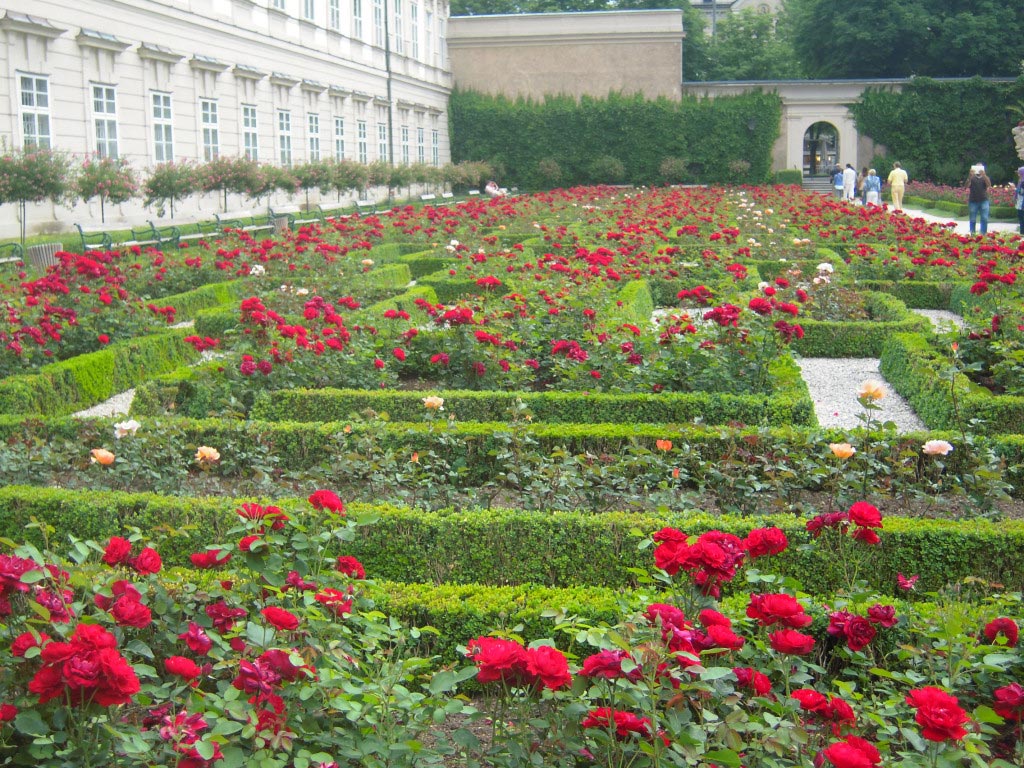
(820, 148)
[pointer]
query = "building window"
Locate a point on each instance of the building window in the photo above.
(309, 9)
(378, 23)
(35, 111)
(314, 135)
(250, 135)
(277, 4)
(405, 144)
(339, 138)
(284, 136)
(399, 28)
(421, 150)
(163, 128)
(428, 20)
(382, 141)
(357, 19)
(334, 14)
(104, 115)
(435, 147)
(362, 143)
(211, 129)
(414, 29)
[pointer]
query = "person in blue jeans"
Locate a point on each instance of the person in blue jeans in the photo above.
(1020, 196)
(978, 184)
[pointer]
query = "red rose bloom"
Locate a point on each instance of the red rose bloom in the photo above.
(859, 633)
(608, 665)
(246, 543)
(196, 639)
(128, 612)
(762, 542)
(8, 712)
(1005, 627)
(182, 667)
(723, 637)
(811, 700)
(782, 609)
(27, 640)
(327, 500)
(147, 562)
(498, 660)
(1009, 702)
(866, 535)
(758, 682)
(865, 515)
(549, 667)
(280, 618)
(626, 724)
(337, 602)
(938, 714)
(853, 752)
(118, 551)
(223, 615)
(791, 641)
(211, 558)
(86, 669)
(883, 614)
(350, 566)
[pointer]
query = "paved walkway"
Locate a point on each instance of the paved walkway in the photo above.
(962, 227)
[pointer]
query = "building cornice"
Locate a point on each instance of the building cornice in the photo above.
(207, 64)
(158, 53)
(30, 25)
(90, 38)
(286, 81)
(248, 73)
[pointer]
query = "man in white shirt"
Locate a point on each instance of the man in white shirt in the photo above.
(849, 181)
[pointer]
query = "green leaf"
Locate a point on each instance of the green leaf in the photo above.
(259, 635)
(31, 723)
(724, 757)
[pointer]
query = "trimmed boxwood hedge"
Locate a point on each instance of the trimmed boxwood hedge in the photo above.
(914, 368)
(859, 338)
(507, 547)
(918, 294)
(85, 380)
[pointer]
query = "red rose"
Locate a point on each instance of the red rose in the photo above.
(498, 659)
(865, 515)
(709, 617)
(196, 639)
(337, 602)
(131, 613)
(223, 615)
(118, 551)
(608, 665)
(782, 609)
(723, 637)
(938, 714)
(1009, 702)
(211, 558)
(762, 542)
(27, 640)
(147, 562)
(859, 633)
(811, 700)
(1005, 627)
(791, 641)
(182, 667)
(8, 712)
(88, 668)
(758, 682)
(626, 724)
(328, 500)
(246, 543)
(883, 614)
(280, 618)
(549, 667)
(350, 566)
(853, 752)
(866, 535)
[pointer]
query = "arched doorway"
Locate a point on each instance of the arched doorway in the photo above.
(821, 149)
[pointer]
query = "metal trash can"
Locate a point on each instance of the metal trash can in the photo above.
(44, 255)
(280, 225)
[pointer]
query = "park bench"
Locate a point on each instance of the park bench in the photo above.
(428, 197)
(11, 252)
(94, 238)
(447, 195)
(172, 234)
(366, 206)
(294, 215)
(329, 215)
(243, 220)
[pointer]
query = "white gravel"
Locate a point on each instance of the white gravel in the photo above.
(833, 384)
(942, 319)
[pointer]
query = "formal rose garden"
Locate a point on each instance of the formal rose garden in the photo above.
(526, 481)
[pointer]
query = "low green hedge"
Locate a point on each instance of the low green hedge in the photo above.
(915, 368)
(512, 547)
(859, 338)
(212, 295)
(83, 381)
(918, 294)
(789, 176)
(960, 210)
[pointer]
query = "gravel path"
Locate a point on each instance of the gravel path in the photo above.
(833, 384)
(942, 319)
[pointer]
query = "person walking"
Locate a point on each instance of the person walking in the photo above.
(849, 181)
(872, 189)
(837, 182)
(978, 184)
(1018, 200)
(861, 192)
(897, 186)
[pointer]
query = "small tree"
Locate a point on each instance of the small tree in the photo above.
(168, 182)
(230, 174)
(674, 170)
(349, 176)
(111, 180)
(316, 174)
(33, 175)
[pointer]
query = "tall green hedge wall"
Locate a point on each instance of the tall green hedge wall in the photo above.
(715, 139)
(938, 129)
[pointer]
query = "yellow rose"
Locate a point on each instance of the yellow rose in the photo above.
(207, 455)
(433, 403)
(871, 390)
(842, 450)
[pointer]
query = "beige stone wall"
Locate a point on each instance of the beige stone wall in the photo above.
(573, 54)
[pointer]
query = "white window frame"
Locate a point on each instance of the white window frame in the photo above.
(309, 10)
(209, 123)
(378, 23)
(421, 151)
(339, 138)
(161, 108)
(435, 147)
(284, 137)
(313, 134)
(104, 119)
(414, 29)
(405, 144)
(399, 29)
(362, 141)
(334, 14)
(250, 132)
(357, 19)
(382, 141)
(34, 111)
(428, 24)
(277, 4)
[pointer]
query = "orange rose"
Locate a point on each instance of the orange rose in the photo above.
(102, 456)
(663, 445)
(842, 450)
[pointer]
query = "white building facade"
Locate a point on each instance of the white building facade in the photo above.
(279, 81)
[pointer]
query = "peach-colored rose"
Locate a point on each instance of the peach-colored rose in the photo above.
(936, 448)
(433, 403)
(207, 455)
(842, 450)
(102, 456)
(871, 390)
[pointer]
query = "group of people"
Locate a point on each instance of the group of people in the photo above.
(867, 186)
(978, 184)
